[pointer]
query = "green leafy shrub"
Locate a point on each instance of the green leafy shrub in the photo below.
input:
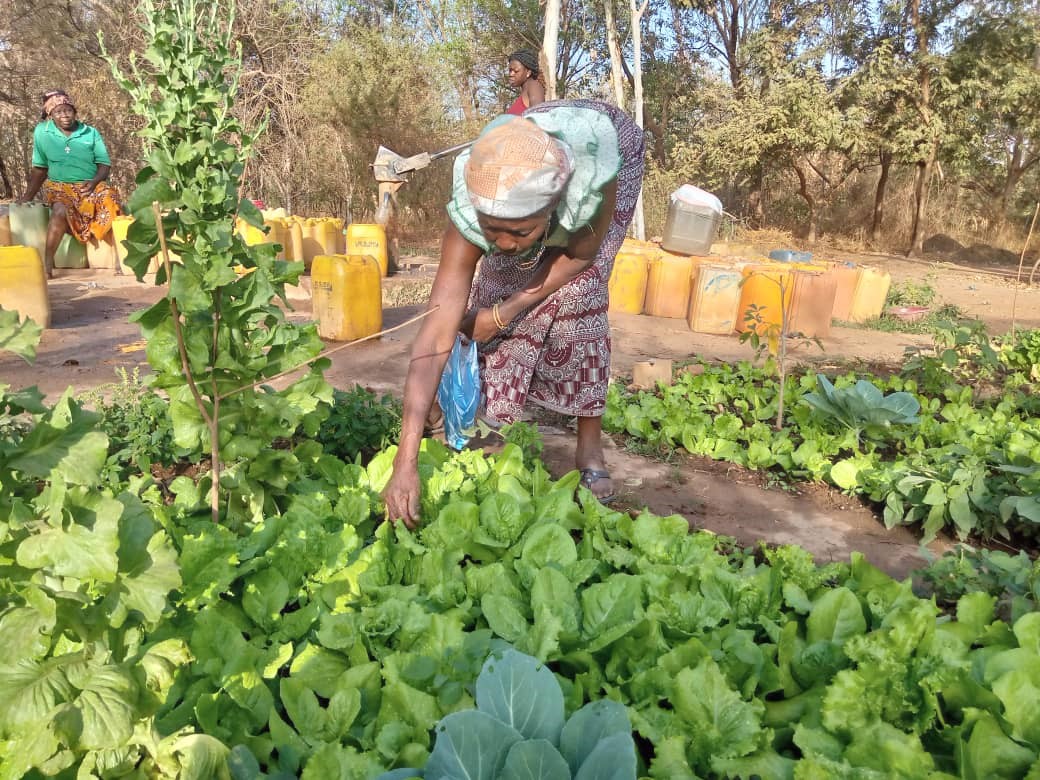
(911, 293)
(137, 422)
(518, 731)
(360, 423)
(1014, 580)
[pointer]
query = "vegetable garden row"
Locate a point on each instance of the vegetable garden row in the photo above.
(951, 442)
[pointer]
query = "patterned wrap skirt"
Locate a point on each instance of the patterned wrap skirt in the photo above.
(89, 216)
(557, 353)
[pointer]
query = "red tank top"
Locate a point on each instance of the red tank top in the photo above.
(518, 106)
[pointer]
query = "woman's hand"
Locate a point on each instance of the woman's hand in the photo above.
(479, 325)
(402, 494)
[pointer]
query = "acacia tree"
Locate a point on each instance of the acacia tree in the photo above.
(995, 67)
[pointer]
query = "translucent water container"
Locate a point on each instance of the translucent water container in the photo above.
(369, 239)
(693, 220)
(70, 253)
(668, 285)
(29, 225)
(5, 226)
(346, 296)
(23, 286)
(627, 284)
(714, 298)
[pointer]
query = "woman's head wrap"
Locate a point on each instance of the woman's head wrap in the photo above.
(53, 99)
(516, 169)
(527, 58)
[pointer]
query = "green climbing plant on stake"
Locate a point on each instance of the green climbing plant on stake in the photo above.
(217, 335)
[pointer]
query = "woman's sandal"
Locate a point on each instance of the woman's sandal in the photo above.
(590, 477)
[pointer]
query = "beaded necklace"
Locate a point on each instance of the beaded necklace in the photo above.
(527, 265)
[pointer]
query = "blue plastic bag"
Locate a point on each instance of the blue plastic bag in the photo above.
(459, 392)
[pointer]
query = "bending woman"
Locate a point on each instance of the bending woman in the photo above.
(71, 163)
(524, 76)
(545, 200)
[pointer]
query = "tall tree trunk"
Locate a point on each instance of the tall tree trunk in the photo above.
(638, 220)
(550, 42)
(923, 173)
(617, 76)
(885, 158)
(8, 190)
(810, 203)
(922, 177)
(755, 201)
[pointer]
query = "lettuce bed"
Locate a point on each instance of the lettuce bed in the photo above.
(318, 644)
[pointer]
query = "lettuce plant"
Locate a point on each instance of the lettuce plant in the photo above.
(518, 732)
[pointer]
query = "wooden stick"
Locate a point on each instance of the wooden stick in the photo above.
(1018, 278)
(328, 352)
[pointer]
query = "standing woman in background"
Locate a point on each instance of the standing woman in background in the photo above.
(71, 163)
(524, 75)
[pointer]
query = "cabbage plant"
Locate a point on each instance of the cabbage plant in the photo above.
(862, 407)
(518, 732)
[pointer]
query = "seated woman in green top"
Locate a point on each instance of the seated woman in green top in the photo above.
(71, 163)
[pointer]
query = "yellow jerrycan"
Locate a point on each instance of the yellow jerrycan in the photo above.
(346, 296)
(812, 302)
(868, 301)
(337, 237)
(120, 226)
(29, 225)
(250, 234)
(23, 286)
(369, 240)
(762, 288)
(627, 284)
(294, 248)
(313, 240)
(278, 233)
(668, 285)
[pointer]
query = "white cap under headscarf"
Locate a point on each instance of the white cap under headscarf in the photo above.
(516, 169)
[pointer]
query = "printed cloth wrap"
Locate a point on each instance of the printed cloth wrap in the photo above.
(89, 216)
(557, 353)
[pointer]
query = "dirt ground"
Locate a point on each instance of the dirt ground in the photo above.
(91, 338)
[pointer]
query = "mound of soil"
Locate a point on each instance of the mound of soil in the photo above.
(942, 244)
(985, 256)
